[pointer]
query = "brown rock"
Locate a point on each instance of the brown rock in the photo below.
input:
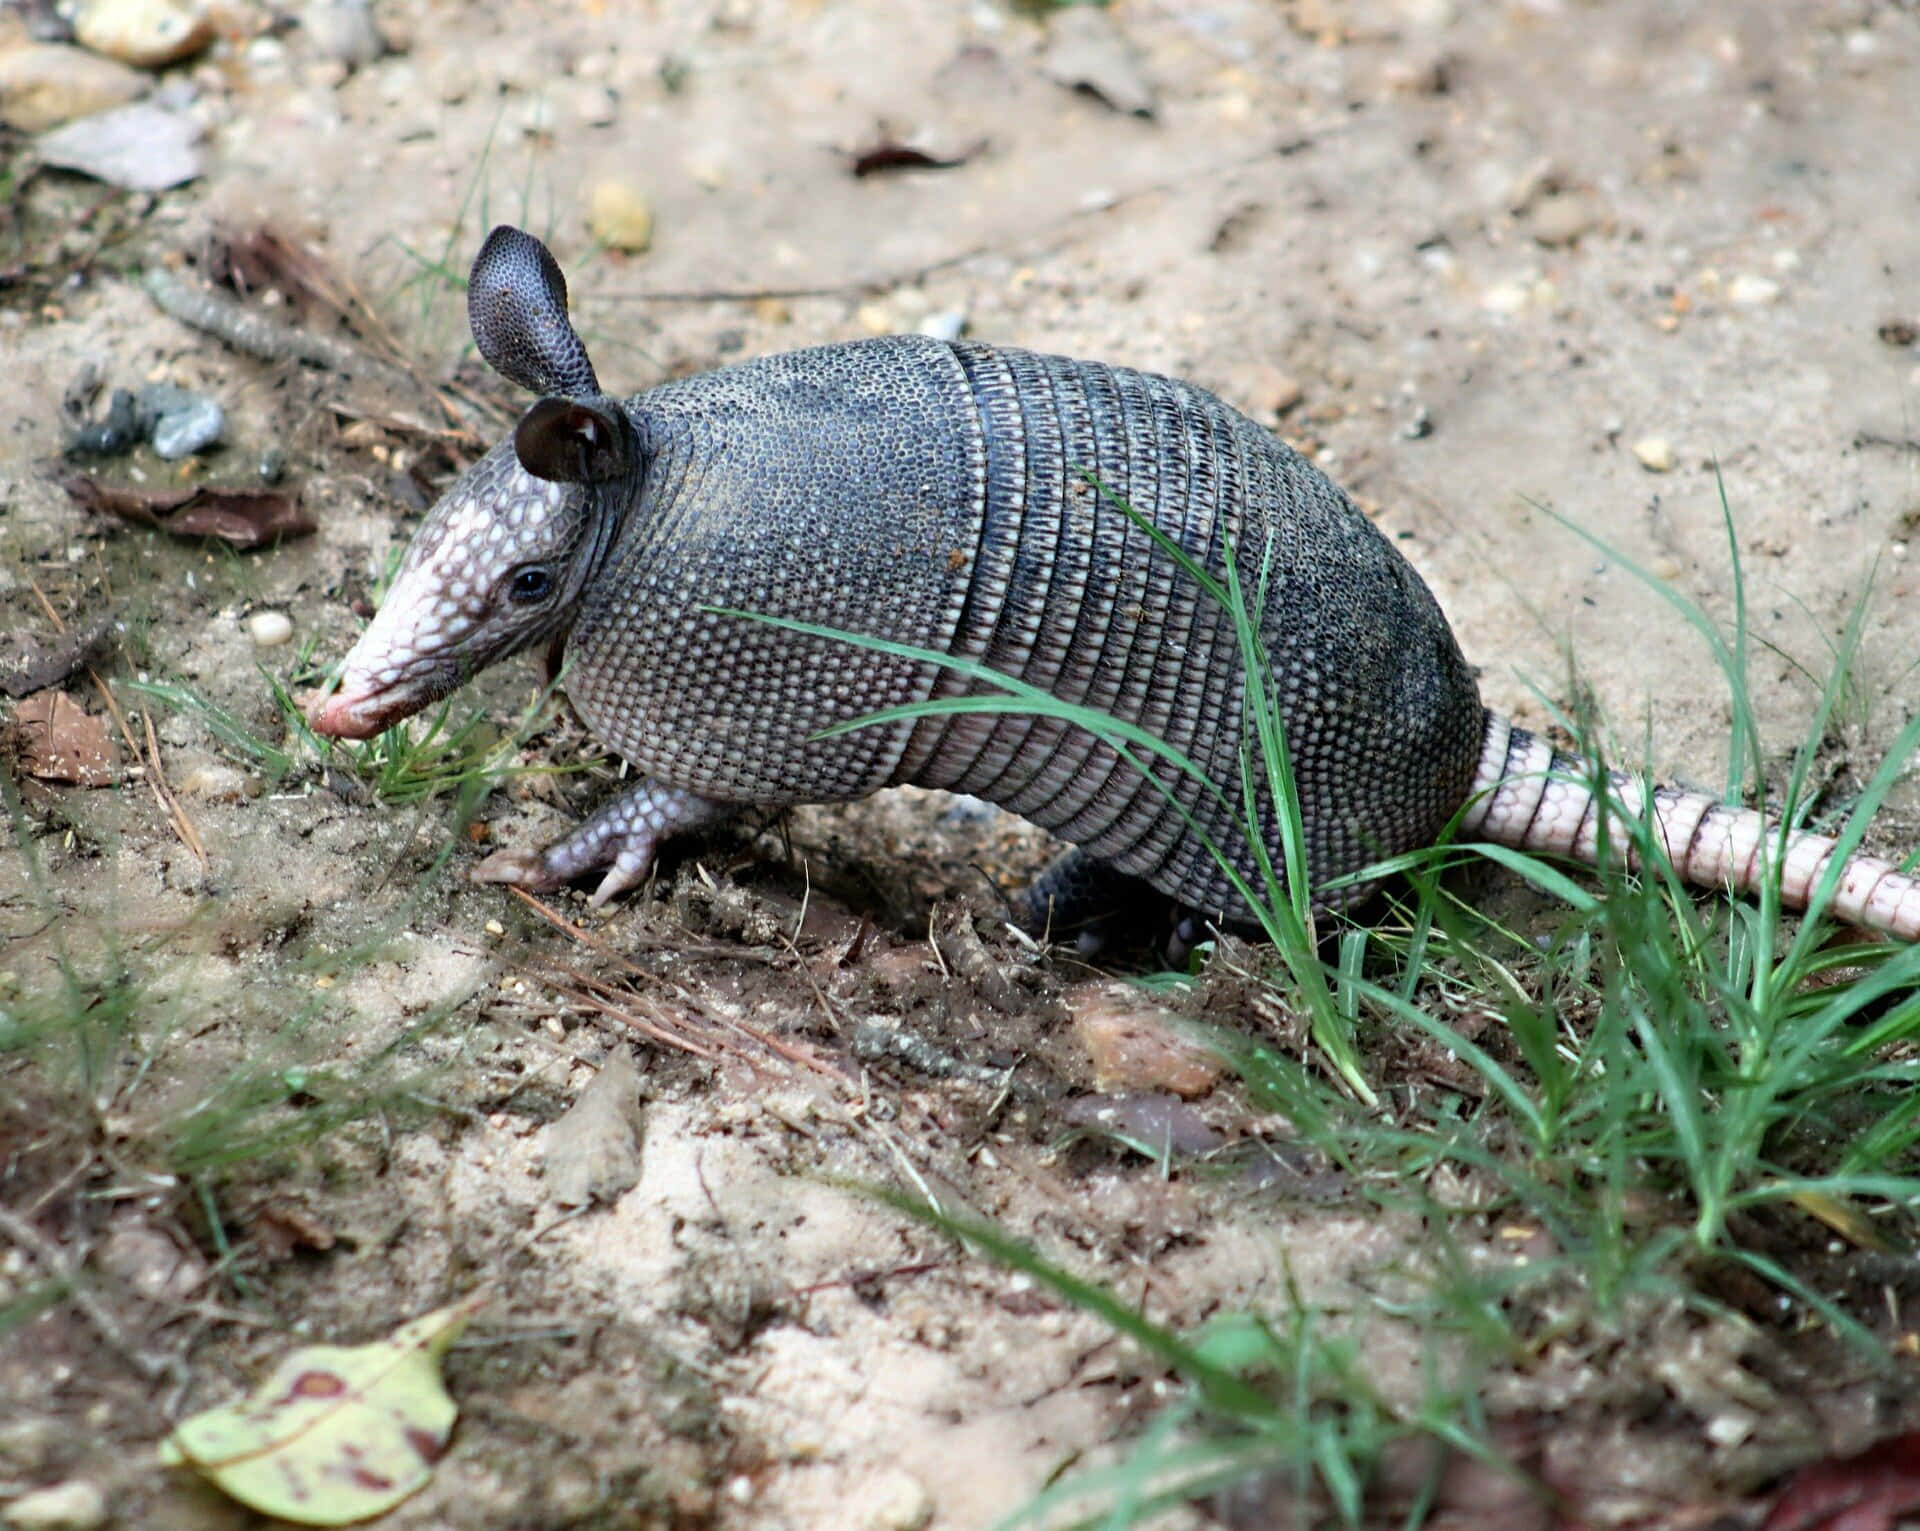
(45, 84)
(145, 33)
(1138, 1045)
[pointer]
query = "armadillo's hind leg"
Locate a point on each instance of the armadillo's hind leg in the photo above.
(1085, 901)
(622, 836)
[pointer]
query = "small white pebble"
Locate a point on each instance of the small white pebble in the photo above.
(898, 1501)
(1750, 291)
(75, 1505)
(1506, 298)
(1729, 1429)
(269, 629)
(947, 324)
(495, 928)
(1655, 453)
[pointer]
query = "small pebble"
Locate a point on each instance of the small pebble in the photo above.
(537, 118)
(897, 1501)
(138, 147)
(114, 434)
(269, 629)
(45, 84)
(75, 1505)
(620, 218)
(343, 30)
(272, 466)
(144, 33)
(1264, 391)
(183, 423)
(1562, 220)
(1750, 291)
(1655, 453)
(947, 324)
(217, 783)
(1505, 298)
(1731, 1428)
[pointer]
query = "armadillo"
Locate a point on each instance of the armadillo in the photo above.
(964, 500)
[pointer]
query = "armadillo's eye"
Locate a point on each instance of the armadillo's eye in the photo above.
(529, 585)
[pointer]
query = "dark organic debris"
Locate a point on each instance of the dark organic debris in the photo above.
(253, 260)
(55, 739)
(244, 518)
(888, 155)
(34, 663)
(1900, 332)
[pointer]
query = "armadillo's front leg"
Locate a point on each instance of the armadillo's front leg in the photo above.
(622, 837)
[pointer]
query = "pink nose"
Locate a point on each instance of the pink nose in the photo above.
(342, 716)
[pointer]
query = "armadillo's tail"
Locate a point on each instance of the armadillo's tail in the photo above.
(1531, 797)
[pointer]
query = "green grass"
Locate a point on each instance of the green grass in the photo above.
(1673, 1073)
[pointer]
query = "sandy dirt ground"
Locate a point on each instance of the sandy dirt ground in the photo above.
(1480, 260)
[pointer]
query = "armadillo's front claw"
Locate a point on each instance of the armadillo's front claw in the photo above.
(517, 867)
(622, 836)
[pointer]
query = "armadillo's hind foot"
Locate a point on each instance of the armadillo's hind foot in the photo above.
(622, 836)
(1084, 901)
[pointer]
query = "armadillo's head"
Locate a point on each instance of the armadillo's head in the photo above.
(501, 561)
(498, 565)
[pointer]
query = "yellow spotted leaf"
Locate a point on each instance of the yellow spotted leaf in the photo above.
(338, 1433)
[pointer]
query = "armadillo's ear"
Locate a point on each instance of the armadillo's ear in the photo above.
(517, 305)
(574, 441)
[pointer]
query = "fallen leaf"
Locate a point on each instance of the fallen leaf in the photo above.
(56, 739)
(1866, 1492)
(244, 518)
(593, 1151)
(338, 1433)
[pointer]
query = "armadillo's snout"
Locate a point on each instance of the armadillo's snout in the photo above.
(347, 715)
(380, 683)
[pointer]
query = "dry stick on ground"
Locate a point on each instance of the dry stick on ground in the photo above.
(255, 334)
(805, 1057)
(149, 757)
(857, 1121)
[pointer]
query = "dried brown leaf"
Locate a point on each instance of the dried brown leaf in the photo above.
(1867, 1492)
(243, 518)
(55, 739)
